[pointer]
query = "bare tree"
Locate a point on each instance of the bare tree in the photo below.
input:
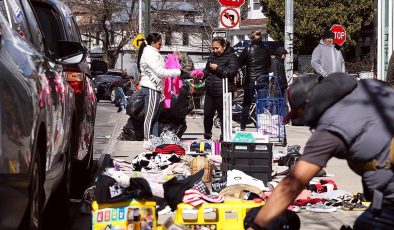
(113, 22)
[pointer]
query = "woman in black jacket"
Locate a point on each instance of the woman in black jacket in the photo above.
(222, 63)
(278, 69)
(257, 59)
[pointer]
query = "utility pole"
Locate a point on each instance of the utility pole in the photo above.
(147, 18)
(140, 16)
(289, 27)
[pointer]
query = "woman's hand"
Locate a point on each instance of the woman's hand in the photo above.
(213, 66)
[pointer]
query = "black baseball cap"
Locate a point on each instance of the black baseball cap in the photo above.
(299, 92)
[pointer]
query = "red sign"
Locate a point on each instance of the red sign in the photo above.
(232, 3)
(340, 34)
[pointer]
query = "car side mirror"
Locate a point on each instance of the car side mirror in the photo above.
(71, 52)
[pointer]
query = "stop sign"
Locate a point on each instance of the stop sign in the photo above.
(232, 3)
(340, 34)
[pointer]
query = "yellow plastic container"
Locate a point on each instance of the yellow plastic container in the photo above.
(136, 215)
(223, 216)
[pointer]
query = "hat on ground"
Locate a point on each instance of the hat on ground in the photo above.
(237, 190)
(328, 34)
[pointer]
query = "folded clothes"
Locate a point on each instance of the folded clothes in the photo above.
(199, 194)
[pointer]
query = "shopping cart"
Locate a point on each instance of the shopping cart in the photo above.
(270, 113)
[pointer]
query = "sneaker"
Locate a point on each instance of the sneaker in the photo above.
(207, 136)
(148, 145)
(319, 207)
(120, 109)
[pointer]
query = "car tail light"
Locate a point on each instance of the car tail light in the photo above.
(75, 80)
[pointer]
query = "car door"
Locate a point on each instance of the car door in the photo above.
(55, 96)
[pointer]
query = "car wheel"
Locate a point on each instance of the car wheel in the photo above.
(113, 95)
(58, 204)
(81, 174)
(36, 194)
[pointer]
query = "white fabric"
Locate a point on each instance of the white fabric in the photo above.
(153, 69)
(238, 177)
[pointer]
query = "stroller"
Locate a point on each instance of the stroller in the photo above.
(172, 119)
(237, 112)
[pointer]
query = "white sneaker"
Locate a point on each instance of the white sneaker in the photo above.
(147, 145)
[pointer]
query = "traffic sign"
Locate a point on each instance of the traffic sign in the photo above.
(138, 40)
(340, 34)
(219, 33)
(229, 18)
(232, 3)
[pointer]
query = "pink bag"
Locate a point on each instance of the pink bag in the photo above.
(172, 85)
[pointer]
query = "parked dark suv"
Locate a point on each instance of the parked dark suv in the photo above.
(105, 89)
(58, 23)
(37, 117)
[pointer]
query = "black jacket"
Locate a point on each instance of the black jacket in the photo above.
(227, 67)
(257, 58)
(278, 68)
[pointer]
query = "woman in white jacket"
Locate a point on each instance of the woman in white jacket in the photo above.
(152, 68)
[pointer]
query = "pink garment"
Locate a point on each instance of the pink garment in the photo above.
(172, 85)
(197, 73)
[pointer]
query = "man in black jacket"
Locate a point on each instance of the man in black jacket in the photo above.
(257, 59)
(222, 63)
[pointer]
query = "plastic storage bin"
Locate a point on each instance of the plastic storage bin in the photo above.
(224, 216)
(254, 159)
(137, 215)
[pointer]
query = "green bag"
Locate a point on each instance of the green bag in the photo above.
(244, 137)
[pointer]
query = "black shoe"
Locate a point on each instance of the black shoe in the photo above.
(119, 109)
(207, 136)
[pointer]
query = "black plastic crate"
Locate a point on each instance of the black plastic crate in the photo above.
(251, 150)
(254, 159)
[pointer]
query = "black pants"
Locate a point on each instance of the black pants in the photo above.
(211, 105)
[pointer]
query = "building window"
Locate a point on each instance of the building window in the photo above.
(256, 5)
(189, 18)
(168, 39)
(265, 37)
(97, 38)
(185, 39)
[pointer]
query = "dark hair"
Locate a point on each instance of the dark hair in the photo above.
(221, 41)
(151, 38)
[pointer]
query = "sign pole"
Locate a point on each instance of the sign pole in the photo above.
(289, 39)
(147, 18)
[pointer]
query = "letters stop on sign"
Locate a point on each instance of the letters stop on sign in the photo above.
(340, 34)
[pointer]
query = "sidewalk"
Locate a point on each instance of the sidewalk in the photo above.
(342, 175)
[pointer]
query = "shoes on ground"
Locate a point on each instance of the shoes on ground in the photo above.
(148, 145)
(120, 109)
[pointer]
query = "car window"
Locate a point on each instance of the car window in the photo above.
(38, 39)
(75, 35)
(17, 18)
(51, 27)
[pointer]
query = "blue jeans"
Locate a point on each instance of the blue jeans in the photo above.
(249, 92)
(372, 219)
(151, 122)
